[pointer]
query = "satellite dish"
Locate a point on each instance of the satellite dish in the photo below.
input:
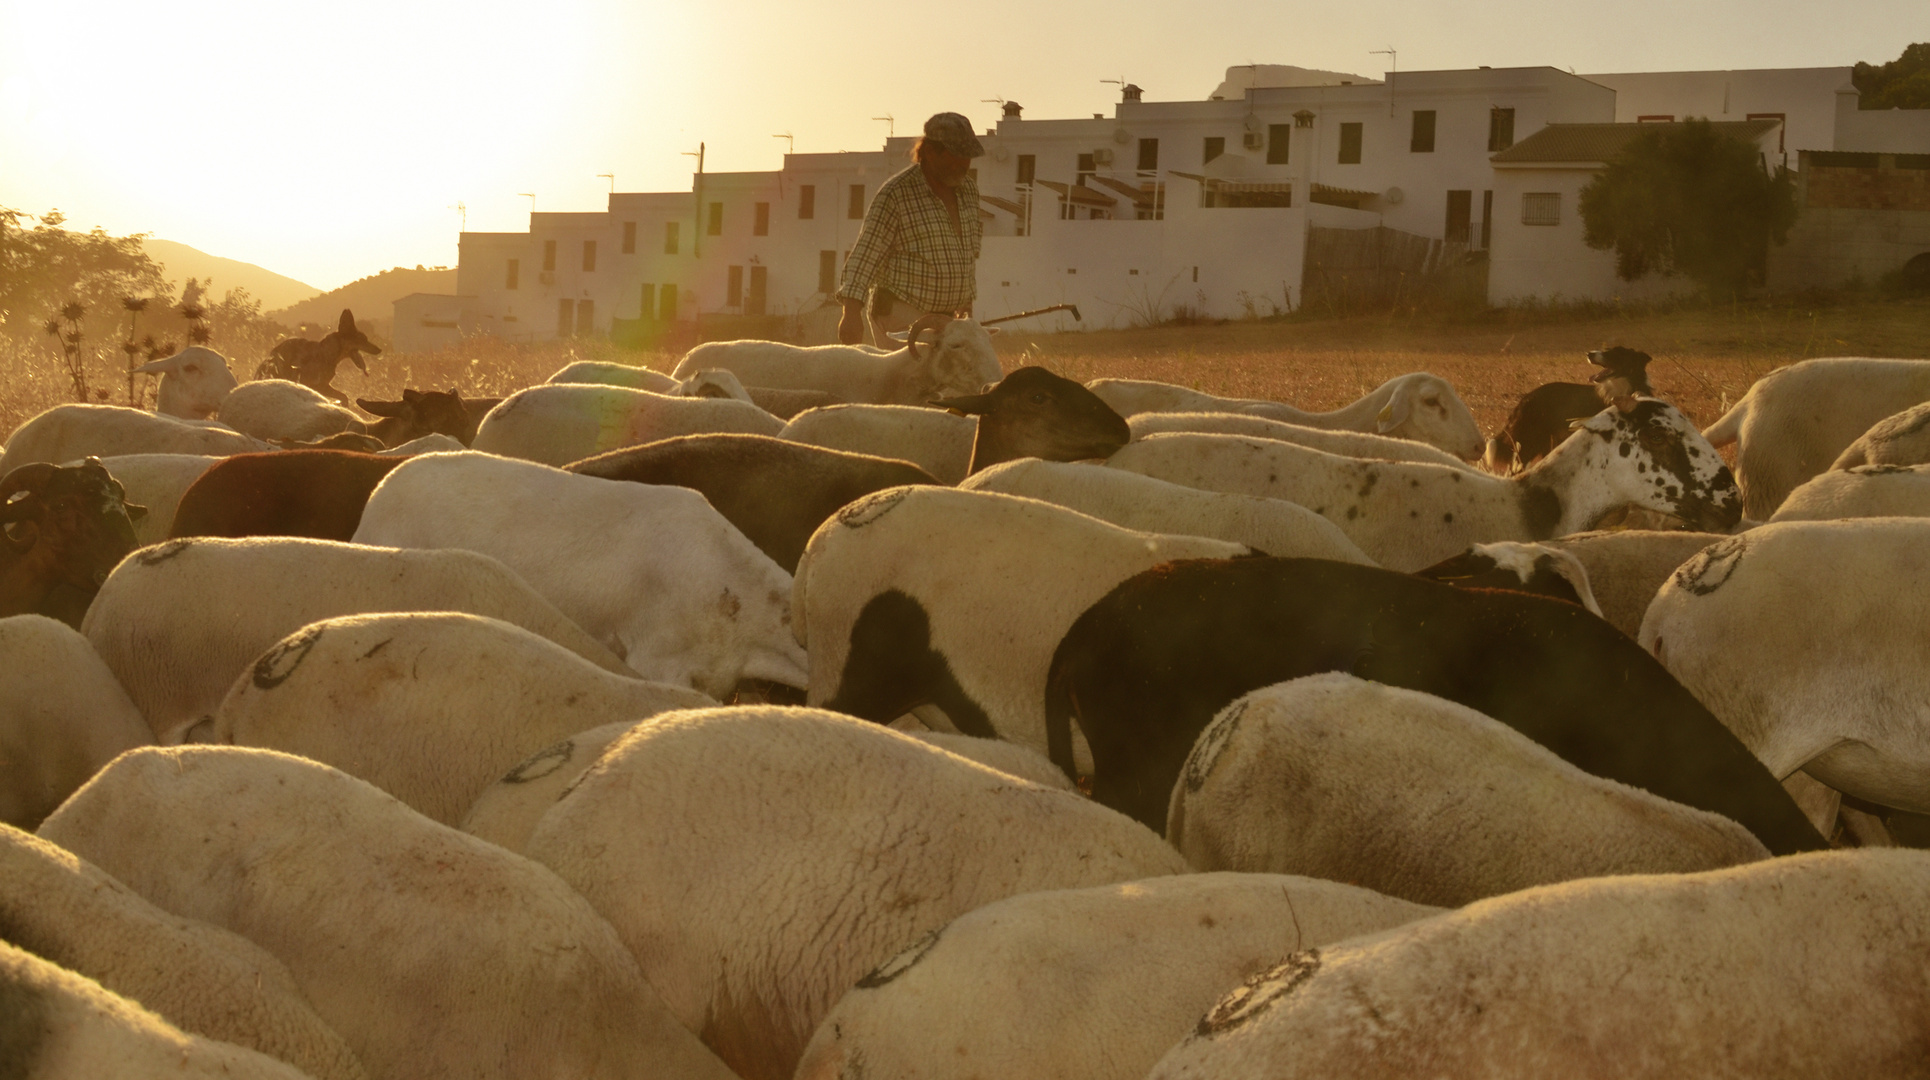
(1393, 196)
(1000, 152)
(1121, 136)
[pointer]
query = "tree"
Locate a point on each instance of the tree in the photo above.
(1687, 199)
(1903, 83)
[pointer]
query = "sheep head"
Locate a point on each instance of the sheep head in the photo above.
(64, 530)
(194, 382)
(1034, 413)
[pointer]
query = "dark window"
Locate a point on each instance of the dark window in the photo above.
(1350, 144)
(807, 202)
(1087, 167)
(1213, 147)
(716, 225)
(1656, 118)
(667, 305)
(1501, 129)
(754, 303)
(565, 317)
(1422, 141)
(647, 302)
(1148, 155)
(670, 238)
(827, 272)
(855, 208)
(629, 238)
(1541, 208)
(589, 255)
(1487, 218)
(1279, 140)
(1028, 167)
(761, 220)
(1460, 216)
(515, 272)
(585, 317)
(549, 254)
(734, 287)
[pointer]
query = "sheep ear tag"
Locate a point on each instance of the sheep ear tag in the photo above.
(1385, 418)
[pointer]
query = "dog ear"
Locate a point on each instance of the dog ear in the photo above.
(347, 323)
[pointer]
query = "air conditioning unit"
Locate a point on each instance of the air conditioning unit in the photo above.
(546, 277)
(1102, 156)
(1253, 140)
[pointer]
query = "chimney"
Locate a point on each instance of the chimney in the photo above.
(1012, 110)
(1130, 92)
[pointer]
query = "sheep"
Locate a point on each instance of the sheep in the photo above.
(1902, 439)
(1728, 973)
(427, 412)
(1416, 406)
(960, 360)
(58, 1025)
(62, 530)
(432, 953)
(1009, 758)
(1542, 418)
(1806, 639)
(341, 440)
(1132, 501)
(194, 382)
(1795, 421)
(930, 596)
(199, 978)
(555, 425)
(1407, 515)
(775, 491)
(1359, 444)
(313, 493)
(1625, 568)
(62, 717)
(156, 481)
(1033, 413)
(760, 860)
(72, 432)
(177, 623)
(424, 444)
(654, 573)
(272, 409)
(1541, 569)
(604, 373)
(313, 363)
(431, 707)
(936, 441)
(1418, 797)
(1864, 491)
(1094, 983)
(1145, 668)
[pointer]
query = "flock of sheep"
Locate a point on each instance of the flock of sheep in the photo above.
(845, 714)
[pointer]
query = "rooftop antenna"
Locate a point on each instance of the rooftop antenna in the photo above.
(1393, 69)
(612, 178)
(790, 144)
(531, 196)
(462, 210)
(891, 125)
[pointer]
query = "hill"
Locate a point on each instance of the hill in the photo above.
(180, 262)
(371, 298)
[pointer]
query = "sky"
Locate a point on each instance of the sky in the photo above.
(330, 141)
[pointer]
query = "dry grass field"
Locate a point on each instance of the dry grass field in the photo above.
(1705, 356)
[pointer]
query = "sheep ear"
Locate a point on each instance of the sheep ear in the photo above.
(898, 335)
(1579, 422)
(1625, 403)
(1394, 413)
(973, 405)
(991, 331)
(160, 367)
(380, 408)
(135, 511)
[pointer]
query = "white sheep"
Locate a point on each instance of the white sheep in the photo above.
(177, 623)
(936, 441)
(1626, 567)
(156, 481)
(63, 1026)
(434, 954)
(712, 383)
(758, 861)
(1358, 444)
(1414, 796)
(604, 373)
(1864, 491)
(1093, 983)
(1132, 501)
(560, 423)
(1416, 406)
(194, 382)
(653, 572)
(959, 361)
(271, 409)
(1902, 439)
(1007, 757)
(1795, 421)
(198, 977)
(1806, 639)
(1728, 973)
(926, 595)
(1409, 515)
(63, 715)
(432, 443)
(431, 707)
(73, 432)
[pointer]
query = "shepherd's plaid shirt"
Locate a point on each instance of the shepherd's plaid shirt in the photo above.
(907, 246)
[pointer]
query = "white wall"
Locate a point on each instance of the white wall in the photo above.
(1552, 263)
(1805, 96)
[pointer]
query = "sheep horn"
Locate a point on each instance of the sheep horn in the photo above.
(932, 320)
(29, 478)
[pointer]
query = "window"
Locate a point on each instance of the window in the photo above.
(1460, 217)
(549, 254)
(1655, 118)
(807, 202)
(827, 272)
(1087, 167)
(1028, 167)
(1541, 208)
(854, 209)
(761, 219)
(647, 302)
(565, 318)
(1501, 129)
(1487, 219)
(1148, 155)
(1279, 140)
(1422, 141)
(509, 278)
(1350, 144)
(667, 306)
(670, 238)
(585, 317)
(1213, 147)
(716, 225)
(734, 287)
(629, 238)
(589, 255)
(754, 302)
